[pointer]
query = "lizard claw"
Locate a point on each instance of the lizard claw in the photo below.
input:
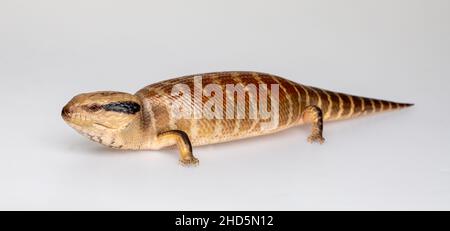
(192, 162)
(316, 138)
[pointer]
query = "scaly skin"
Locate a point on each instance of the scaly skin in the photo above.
(145, 120)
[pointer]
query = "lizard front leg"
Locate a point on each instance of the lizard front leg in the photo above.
(314, 115)
(184, 146)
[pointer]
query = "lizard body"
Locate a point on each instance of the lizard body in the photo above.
(148, 120)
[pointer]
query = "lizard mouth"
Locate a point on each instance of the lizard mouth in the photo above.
(102, 126)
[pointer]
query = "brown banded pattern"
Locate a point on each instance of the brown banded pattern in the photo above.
(293, 99)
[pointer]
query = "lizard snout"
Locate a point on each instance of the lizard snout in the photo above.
(66, 112)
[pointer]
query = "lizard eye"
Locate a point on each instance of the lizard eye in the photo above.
(93, 108)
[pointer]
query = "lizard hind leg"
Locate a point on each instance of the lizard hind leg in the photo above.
(187, 159)
(314, 115)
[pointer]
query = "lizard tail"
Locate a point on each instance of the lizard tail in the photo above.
(345, 106)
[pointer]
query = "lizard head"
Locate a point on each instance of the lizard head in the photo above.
(103, 116)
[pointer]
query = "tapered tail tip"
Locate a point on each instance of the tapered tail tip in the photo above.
(404, 105)
(409, 104)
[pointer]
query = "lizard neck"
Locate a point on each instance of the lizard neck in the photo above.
(132, 137)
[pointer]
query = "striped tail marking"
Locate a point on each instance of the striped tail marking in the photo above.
(339, 106)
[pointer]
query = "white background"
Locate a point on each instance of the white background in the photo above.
(392, 49)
